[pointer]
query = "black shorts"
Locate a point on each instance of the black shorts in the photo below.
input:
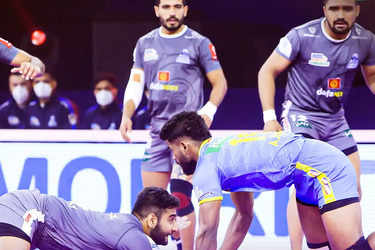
(10, 230)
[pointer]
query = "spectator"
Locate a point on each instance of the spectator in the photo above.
(12, 112)
(106, 114)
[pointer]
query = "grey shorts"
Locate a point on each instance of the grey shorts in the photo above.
(330, 128)
(158, 157)
(22, 209)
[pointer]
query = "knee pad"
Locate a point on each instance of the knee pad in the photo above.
(320, 246)
(182, 190)
(361, 244)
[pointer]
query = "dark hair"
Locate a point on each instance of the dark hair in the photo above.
(157, 2)
(154, 200)
(185, 124)
(356, 1)
(106, 76)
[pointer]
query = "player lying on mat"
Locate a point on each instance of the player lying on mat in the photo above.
(31, 220)
(324, 179)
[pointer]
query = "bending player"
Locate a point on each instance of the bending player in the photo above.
(325, 182)
(28, 66)
(31, 220)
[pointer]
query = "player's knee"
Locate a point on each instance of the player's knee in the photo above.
(182, 190)
(361, 244)
(319, 246)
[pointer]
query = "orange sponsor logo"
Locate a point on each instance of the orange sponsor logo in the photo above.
(6, 43)
(213, 51)
(164, 76)
(334, 83)
(137, 78)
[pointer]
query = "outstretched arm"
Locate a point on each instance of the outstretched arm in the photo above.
(209, 213)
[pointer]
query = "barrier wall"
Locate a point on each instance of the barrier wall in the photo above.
(99, 171)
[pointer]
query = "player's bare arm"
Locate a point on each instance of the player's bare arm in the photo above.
(219, 89)
(369, 75)
(28, 66)
(241, 220)
(208, 223)
(132, 99)
(274, 65)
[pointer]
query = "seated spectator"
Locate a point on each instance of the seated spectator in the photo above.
(49, 111)
(106, 114)
(12, 112)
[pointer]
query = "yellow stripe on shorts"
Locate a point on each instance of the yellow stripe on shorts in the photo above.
(324, 181)
(218, 198)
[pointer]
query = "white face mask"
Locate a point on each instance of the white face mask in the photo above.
(43, 90)
(20, 94)
(104, 97)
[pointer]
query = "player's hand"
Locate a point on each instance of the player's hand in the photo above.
(126, 128)
(28, 70)
(272, 126)
(207, 120)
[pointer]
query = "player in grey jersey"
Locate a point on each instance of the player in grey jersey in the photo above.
(168, 61)
(30, 220)
(28, 66)
(322, 58)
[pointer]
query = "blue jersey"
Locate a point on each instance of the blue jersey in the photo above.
(98, 118)
(54, 115)
(7, 51)
(251, 162)
(12, 116)
(53, 223)
(323, 69)
(173, 71)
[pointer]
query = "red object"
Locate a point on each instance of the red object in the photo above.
(213, 52)
(38, 37)
(334, 83)
(164, 76)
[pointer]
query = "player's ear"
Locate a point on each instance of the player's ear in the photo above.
(152, 220)
(358, 9)
(156, 9)
(186, 10)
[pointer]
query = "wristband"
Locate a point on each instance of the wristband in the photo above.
(209, 109)
(269, 115)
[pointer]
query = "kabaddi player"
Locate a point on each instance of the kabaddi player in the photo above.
(172, 62)
(325, 182)
(322, 58)
(30, 220)
(28, 66)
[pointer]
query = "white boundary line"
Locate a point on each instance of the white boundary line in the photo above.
(61, 135)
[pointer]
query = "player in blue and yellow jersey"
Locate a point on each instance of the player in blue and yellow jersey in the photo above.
(322, 58)
(171, 62)
(30, 220)
(28, 66)
(325, 181)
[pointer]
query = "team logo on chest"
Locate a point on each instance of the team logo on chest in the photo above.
(354, 62)
(334, 83)
(183, 57)
(319, 59)
(150, 55)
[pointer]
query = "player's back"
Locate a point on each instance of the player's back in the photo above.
(72, 227)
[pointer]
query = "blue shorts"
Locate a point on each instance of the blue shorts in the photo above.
(330, 128)
(324, 177)
(158, 157)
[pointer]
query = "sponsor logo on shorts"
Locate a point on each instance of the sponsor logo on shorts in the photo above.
(29, 217)
(319, 59)
(150, 55)
(164, 76)
(302, 122)
(329, 93)
(354, 62)
(348, 133)
(327, 189)
(334, 83)
(212, 51)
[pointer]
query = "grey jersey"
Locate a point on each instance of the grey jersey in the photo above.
(7, 51)
(173, 68)
(323, 69)
(63, 225)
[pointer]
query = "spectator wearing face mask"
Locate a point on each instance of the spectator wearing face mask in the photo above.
(12, 112)
(49, 111)
(106, 114)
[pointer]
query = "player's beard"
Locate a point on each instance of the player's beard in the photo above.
(340, 31)
(164, 23)
(188, 167)
(158, 236)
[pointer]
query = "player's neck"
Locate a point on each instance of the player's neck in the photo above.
(175, 32)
